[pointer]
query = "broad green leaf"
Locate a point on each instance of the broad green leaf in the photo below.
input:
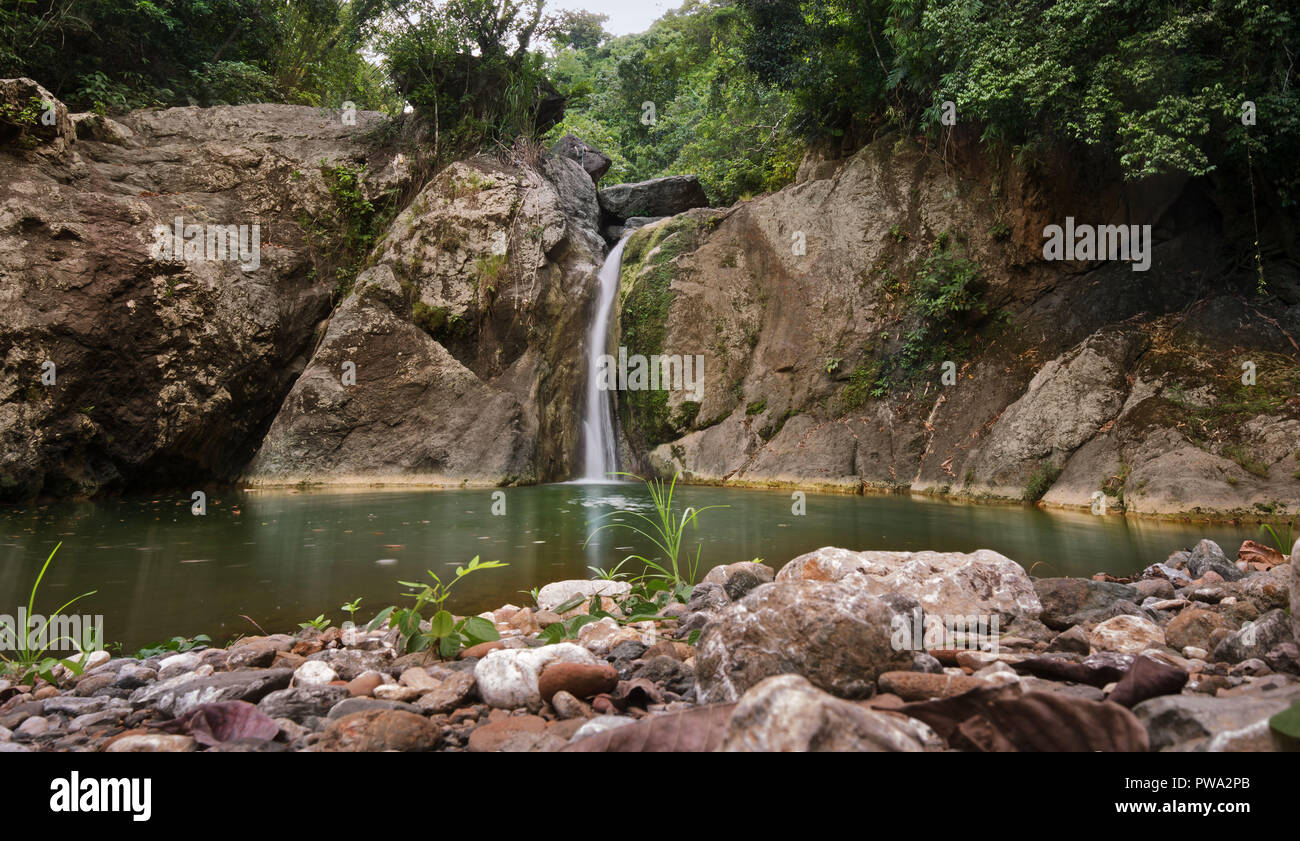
(441, 625)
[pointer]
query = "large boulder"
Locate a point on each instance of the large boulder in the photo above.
(666, 196)
(1073, 601)
(167, 367)
(836, 635)
(452, 381)
(982, 582)
(595, 162)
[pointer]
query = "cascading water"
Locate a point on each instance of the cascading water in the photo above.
(599, 446)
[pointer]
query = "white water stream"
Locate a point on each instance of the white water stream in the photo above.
(599, 445)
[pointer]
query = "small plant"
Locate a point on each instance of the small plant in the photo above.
(320, 623)
(1282, 531)
(1041, 481)
(833, 364)
(175, 645)
(30, 662)
(445, 634)
(351, 608)
(665, 531)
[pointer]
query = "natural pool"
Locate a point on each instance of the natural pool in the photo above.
(283, 557)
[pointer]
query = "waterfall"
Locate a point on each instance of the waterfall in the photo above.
(599, 446)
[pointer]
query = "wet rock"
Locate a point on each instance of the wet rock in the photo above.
(578, 679)
(380, 730)
(1255, 639)
(302, 702)
(834, 634)
(951, 583)
(1126, 635)
(457, 690)
(786, 713)
(1074, 601)
(508, 678)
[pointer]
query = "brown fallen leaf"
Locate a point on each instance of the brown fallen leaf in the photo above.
(1147, 678)
(1006, 719)
(697, 730)
(1258, 553)
(225, 721)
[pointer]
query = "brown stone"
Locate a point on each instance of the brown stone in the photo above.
(454, 692)
(364, 684)
(480, 650)
(922, 686)
(490, 737)
(578, 679)
(380, 730)
(1193, 626)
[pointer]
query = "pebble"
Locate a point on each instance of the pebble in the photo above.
(152, 743)
(491, 736)
(581, 680)
(314, 673)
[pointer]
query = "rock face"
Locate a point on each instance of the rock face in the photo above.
(807, 303)
(165, 368)
(788, 714)
(834, 634)
(454, 379)
(951, 583)
(657, 197)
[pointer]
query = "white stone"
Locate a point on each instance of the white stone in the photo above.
(1126, 635)
(507, 678)
(600, 724)
(557, 593)
(178, 664)
(33, 726)
(314, 673)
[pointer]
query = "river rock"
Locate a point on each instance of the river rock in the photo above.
(923, 686)
(1126, 635)
(1207, 556)
(314, 673)
(493, 736)
(666, 196)
(578, 679)
(947, 583)
(181, 694)
(508, 678)
(719, 574)
(558, 592)
(302, 702)
(1182, 722)
(1074, 601)
(1255, 639)
(786, 713)
(454, 692)
(152, 743)
(1192, 627)
(380, 730)
(834, 634)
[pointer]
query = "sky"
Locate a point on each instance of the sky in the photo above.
(625, 16)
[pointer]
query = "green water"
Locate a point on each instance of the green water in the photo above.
(281, 558)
